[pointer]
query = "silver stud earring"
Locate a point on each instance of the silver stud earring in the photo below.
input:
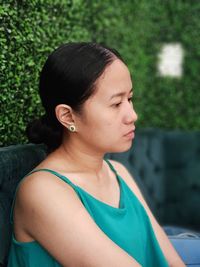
(72, 128)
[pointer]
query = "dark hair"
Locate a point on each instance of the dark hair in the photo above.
(68, 77)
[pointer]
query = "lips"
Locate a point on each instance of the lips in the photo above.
(130, 131)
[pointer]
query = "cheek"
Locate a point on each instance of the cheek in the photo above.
(109, 132)
(100, 122)
(108, 125)
(101, 131)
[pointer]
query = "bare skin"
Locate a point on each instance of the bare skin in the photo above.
(46, 205)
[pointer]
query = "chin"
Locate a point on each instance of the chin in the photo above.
(120, 148)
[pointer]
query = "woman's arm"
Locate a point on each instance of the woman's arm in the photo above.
(53, 215)
(170, 253)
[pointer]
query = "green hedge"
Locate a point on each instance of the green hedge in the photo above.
(29, 30)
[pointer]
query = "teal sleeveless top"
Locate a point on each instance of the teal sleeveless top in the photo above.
(128, 226)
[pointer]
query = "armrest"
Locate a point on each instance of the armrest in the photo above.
(187, 244)
(188, 249)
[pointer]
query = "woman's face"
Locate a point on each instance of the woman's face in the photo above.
(108, 115)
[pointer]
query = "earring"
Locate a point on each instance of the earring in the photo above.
(72, 128)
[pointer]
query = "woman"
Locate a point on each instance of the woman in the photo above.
(75, 208)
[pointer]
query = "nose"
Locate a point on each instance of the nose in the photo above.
(131, 116)
(134, 115)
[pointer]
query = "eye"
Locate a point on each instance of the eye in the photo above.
(130, 99)
(117, 104)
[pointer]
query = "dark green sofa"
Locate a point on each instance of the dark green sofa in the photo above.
(164, 164)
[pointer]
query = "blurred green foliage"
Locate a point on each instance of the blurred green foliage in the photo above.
(30, 30)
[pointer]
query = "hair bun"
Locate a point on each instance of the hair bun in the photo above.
(41, 131)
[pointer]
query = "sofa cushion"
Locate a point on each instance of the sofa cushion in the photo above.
(182, 181)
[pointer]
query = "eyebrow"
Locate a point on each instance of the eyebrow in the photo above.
(120, 94)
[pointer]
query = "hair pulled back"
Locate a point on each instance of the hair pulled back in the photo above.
(68, 77)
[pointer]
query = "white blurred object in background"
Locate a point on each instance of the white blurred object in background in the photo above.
(171, 60)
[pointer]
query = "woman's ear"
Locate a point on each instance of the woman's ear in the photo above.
(65, 115)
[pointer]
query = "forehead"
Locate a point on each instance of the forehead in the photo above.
(115, 79)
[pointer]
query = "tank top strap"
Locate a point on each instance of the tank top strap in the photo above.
(111, 166)
(118, 177)
(62, 177)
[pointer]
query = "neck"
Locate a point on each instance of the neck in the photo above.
(81, 157)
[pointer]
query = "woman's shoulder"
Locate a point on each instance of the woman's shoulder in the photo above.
(42, 177)
(37, 177)
(42, 188)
